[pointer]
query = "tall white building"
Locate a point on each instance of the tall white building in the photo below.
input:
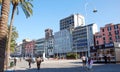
(72, 21)
(62, 43)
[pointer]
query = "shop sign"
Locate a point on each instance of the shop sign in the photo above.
(109, 45)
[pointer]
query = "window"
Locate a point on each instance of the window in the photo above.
(110, 33)
(110, 38)
(115, 26)
(116, 32)
(102, 30)
(117, 37)
(96, 36)
(90, 28)
(109, 28)
(97, 42)
(103, 38)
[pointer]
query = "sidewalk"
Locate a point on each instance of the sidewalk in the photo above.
(18, 64)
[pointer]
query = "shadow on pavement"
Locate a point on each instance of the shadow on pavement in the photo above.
(96, 68)
(101, 67)
(76, 69)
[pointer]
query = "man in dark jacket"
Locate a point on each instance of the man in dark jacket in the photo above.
(29, 62)
(38, 61)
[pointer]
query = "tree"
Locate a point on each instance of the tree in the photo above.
(14, 36)
(3, 31)
(27, 8)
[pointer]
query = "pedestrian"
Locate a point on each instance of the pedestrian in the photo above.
(15, 60)
(83, 61)
(105, 58)
(38, 61)
(29, 62)
(90, 63)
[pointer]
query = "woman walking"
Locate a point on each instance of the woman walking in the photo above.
(90, 63)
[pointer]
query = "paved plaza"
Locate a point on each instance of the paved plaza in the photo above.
(64, 66)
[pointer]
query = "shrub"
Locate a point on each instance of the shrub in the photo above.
(71, 56)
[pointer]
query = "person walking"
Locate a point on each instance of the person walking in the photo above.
(83, 61)
(90, 63)
(15, 61)
(29, 62)
(38, 61)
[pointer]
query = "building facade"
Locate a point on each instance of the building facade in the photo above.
(49, 43)
(29, 49)
(24, 42)
(62, 43)
(83, 38)
(107, 43)
(110, 50)
(39, 47)
(49, 46)
(48, 33)
(72, 21)
(18, 50)
(108, 34)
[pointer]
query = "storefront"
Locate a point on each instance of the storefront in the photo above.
(111, 50)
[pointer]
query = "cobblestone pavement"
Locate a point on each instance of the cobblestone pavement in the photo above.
(65, 66)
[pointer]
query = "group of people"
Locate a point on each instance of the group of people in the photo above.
(38, 62)
(87, 62)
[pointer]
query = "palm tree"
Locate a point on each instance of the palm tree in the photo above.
(27, 8)
(3, 31)
(14, 36)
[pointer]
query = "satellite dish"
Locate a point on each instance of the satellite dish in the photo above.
(94, 10)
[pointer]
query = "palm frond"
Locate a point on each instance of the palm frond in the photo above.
(17, 11)
(27, 8)
(24, 10)
(29, 4)
(0, 2)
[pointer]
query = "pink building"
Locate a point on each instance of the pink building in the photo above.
(107, 43)
(108, 34)
(29, 48)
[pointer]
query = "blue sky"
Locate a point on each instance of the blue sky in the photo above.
(47, 14)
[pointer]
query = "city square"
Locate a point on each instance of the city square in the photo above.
(64, 66)
(66, 36)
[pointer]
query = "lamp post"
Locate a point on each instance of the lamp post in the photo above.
(87, 31)
(88, 49)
